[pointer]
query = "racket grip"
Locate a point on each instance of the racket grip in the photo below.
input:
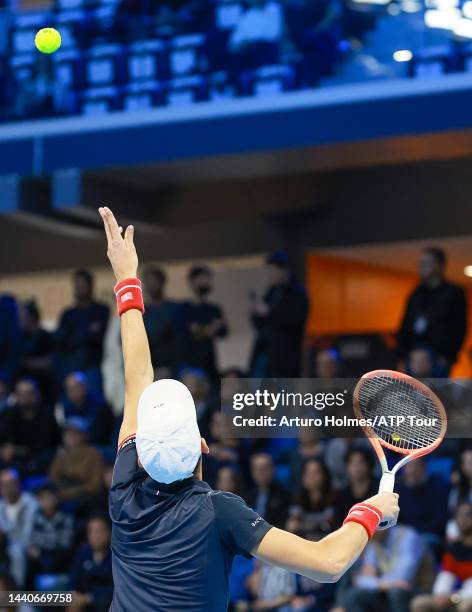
(387, 482)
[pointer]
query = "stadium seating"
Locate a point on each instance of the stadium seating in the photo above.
(184, 56)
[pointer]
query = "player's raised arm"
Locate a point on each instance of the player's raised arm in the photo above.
(139, 372)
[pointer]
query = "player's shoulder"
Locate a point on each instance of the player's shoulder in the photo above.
(225, 502)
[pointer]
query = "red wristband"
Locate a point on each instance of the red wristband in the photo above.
(366, 515)
(129, 295)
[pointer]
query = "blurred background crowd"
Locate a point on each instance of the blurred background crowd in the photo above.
(58, 432)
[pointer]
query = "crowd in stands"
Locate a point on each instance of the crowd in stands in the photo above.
(134, 54)
(58, 442)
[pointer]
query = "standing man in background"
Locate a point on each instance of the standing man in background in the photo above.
(203, 323)
(161, 322)
(279, 319)
(435, 315)
(81, 332)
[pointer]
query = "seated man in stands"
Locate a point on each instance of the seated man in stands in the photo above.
(79, 401)
(91, 576)
(52, 536)
(389, 568)
(452, 588)
(77, 469)
(30, 431)
(268, 497)
(424, 502)
(17, 510)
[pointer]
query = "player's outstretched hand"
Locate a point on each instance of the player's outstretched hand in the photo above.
(387, 504)
(120, 249)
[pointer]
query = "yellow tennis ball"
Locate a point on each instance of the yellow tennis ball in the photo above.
(47, 40)
(396, 437)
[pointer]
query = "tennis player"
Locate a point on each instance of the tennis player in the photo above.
(174, 538)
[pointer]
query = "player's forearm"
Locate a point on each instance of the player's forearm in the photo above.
(343, 547)
(323, 561)
(136, 354)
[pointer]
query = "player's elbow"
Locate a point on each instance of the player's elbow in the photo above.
(329, 568)
(332, 572)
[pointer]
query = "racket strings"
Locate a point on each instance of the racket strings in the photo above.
(386, 396)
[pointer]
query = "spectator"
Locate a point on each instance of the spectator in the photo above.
(435, 314)
(223, 451)
(52, 536)
(161, 321)
(267, 496)
(17, 510)
(77, 469)
(272, 587)
(229, 479)
(279, 319)
(462, 489)
(328, 364)
(309, 447)
(361, 483)
(31, 432)
(199, 386)
(80, 402)
(203, 323)
(312, 515)
(388, 573)
(36, 350)
(81, 332)
(257, 36)
(424, 502)
(421, 363)
(9, 336)
(91, 576)
(452, 589)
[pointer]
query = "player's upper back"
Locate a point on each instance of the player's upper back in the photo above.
(173, 545)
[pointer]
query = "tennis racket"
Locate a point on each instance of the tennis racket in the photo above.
(382, 394)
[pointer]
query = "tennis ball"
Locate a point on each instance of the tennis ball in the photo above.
(47, 40)
(396, 437)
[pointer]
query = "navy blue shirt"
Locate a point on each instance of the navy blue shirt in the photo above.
(173, 545)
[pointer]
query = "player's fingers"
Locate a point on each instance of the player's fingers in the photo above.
(112, 224)
(103, 215)
(129, 235)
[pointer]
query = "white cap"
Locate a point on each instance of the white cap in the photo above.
(168, 439)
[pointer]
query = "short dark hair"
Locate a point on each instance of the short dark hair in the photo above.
(199, 271)
(438, 254)
(358, 450)
(85, 274)
(48, 487)
(155, 271)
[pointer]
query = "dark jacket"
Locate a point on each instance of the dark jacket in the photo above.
(276, 506)
(200, 353)
(79, 337)
(435, 317)
(92, 577)
(280, 333)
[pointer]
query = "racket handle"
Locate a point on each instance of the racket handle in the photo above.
(387, 483)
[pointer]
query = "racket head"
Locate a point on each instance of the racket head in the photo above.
(387, 392)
